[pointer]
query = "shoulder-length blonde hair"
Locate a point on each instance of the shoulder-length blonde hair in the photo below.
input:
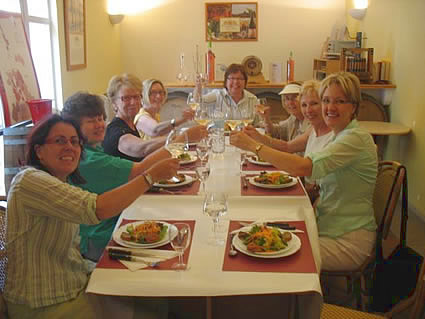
(350, 85)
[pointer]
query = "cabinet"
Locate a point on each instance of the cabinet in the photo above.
(324, 67)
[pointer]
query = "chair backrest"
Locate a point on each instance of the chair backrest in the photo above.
(385, 193)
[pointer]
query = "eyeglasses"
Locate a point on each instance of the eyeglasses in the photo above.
(62, 140)
(327, 101)
(153, 93)
(128, 98)
(235, 79)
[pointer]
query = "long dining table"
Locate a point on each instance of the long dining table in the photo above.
(240, 286)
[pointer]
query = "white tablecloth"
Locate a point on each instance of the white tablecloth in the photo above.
(205, 276)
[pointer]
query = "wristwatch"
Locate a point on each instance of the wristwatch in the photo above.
(258, 148)
(173, 123)
(148, 179)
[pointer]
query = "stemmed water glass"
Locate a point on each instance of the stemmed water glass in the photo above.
(202, 172)
(177, 142)
(179, 237)
(202, 148)
(215, 206)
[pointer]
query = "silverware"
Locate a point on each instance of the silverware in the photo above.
(232, 251)
(124, 251)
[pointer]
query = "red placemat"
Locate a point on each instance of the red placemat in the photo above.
(300, 262)
(106, 262)
(255, 167)
(189, 189)
(251, 190)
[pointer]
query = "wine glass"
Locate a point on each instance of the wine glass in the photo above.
(202, 149)
(215, 206)
(232, 117)
(262, 103)
(202, 172)
(201, 115)
(179, 237)
(177, 142)
(248, 112)
(192, 102)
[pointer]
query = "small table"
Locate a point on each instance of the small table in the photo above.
(384, 128)
(380, 130)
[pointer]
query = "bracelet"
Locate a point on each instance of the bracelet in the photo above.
(148, 179)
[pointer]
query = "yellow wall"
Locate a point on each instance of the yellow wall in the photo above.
(151, 41)
(103, 51)
(396, 30)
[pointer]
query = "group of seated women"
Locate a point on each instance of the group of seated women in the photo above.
(62, 190)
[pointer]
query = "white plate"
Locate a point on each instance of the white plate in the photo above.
(193, 158)
(272, 186)
(189, 179)
(116, 236)
(293, 246)
(254, 160)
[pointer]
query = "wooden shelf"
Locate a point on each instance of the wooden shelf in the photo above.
(173, 85)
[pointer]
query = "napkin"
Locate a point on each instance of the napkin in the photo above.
(149, 255)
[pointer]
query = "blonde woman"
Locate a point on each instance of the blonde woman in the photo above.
(345, 170)
(148, 120)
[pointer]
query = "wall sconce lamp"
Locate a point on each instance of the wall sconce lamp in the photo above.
(358, 14)
(116, 18)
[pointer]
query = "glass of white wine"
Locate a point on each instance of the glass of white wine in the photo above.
(192, 102)
(215, 205)
(248, 112)
(177, 143)
(179, 236)
(262, 104)
(201, 115)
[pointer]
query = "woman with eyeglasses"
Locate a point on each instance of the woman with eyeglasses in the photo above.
(46, 274)
(345, 170)
(148, 120)
(122, 138)
(233, 96)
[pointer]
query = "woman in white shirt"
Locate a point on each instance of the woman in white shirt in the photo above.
(148, 121)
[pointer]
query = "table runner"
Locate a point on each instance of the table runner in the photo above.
(251, 190)
(300, 262)
(106, 262)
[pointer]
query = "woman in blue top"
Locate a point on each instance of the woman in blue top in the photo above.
(345, 170)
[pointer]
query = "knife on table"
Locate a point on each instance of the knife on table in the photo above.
(123, 251)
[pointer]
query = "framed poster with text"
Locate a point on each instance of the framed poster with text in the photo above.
(75, 34)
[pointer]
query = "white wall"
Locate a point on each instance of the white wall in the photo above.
(152, 41)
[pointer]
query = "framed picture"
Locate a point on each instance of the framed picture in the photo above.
(18, 80)
(75, 34)
(231, 21)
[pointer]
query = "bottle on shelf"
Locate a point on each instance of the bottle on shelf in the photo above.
(290, 68)
(210, 63)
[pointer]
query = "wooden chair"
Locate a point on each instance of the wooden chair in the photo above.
(385, 199)
(337, 312)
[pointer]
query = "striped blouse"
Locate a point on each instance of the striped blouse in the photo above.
(45, 266)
